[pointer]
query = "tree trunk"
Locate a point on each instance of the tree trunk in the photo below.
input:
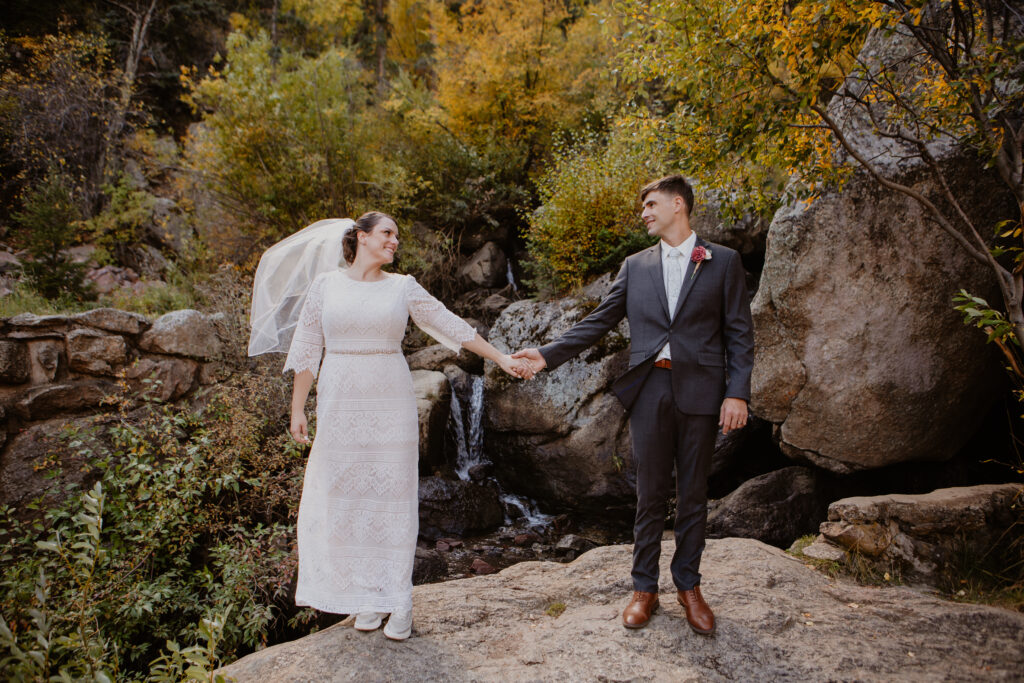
(141, 21)
(377, 9)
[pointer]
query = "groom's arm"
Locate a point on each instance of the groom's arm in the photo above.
(587, 331)
(737, 331)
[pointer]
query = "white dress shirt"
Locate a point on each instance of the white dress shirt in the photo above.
(685, 250)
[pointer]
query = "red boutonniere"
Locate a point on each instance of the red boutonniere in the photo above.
(699, 256)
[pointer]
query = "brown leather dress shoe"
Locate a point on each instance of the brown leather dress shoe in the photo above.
(639, 610)
(700, 616)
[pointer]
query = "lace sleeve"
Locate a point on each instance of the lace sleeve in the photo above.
(432, 317)
(308, 342)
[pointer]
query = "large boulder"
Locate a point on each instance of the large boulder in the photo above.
(922, 536)
(113, 320)
(162, 379)
(169, 227)
(775, 508)
(457, 507)
(96, 353)
(778, 620)
(488, 267)
(563, 437)
(861, 360)
(433, 405)
(46, 400)
(9, 263)
(183, 333)
(45, 355)
(437, 356)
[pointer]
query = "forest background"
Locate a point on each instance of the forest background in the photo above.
(536, 121)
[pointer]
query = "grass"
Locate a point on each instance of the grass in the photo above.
(555, 609)
(156, 299)
(969, 578)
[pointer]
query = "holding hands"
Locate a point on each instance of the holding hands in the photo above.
(531, 361)
(523, 364)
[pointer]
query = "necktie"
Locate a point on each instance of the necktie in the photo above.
(673, 278)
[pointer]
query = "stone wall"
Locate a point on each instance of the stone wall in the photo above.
(56, 369)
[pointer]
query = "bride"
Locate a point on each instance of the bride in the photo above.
(358, 520)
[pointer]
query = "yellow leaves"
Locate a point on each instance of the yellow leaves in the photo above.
(239, 22)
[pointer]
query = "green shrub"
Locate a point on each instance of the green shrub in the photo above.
(48, 225)
(290, 139)
(589, 216)
(191, 518)
(120, 223)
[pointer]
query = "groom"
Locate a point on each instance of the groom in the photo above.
(691, 353)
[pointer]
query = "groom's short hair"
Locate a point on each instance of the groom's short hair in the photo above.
(671, 184)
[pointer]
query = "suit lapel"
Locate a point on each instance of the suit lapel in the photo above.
(688, 279)
(654, 267)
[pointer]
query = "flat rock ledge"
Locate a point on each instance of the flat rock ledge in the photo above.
(777, 620)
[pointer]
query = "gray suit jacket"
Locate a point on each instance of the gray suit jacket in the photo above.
(711, 337)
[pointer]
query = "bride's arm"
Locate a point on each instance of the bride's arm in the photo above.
(300, 391)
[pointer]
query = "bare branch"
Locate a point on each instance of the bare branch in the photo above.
(982, 256)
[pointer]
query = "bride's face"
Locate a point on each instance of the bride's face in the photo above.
(380, 243)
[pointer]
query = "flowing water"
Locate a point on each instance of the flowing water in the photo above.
(469, 442)
(510, 277)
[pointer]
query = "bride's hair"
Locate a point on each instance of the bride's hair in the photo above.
(366, 223)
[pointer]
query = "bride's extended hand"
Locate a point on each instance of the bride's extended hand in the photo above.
(299, 428)
(518, 368)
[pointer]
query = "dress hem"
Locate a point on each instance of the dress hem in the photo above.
(357, 605)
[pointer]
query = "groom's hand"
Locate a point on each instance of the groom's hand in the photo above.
(533, 357)
(733, 414)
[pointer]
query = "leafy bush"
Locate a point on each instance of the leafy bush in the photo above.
(589, 217)
(191, 518)
(290, 139)
(120, 222)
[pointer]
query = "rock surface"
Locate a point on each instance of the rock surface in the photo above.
(433, 405)
(777, 620)
(15, 367)
(162, 379)
(860, 359)
(33, 454)
(563, 437)
(775, 508)
(921, 535)
(184, 333)
(457, 507)
(746, 235)
(113, 320)
(487, 267)
(96, 353)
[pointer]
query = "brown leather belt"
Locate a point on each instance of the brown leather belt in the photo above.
(663, 363)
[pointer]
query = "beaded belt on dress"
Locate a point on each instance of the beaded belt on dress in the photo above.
(363, 350)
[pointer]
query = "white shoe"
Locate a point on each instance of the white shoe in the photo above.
(369, 621)
(399, 626)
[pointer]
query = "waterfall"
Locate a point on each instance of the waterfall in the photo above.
(469, 442)
(528, 509)
(510, 277)
(469, 445)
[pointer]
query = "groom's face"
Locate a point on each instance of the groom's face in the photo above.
(659, 212)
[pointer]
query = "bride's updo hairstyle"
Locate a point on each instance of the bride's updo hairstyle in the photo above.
(365, 223)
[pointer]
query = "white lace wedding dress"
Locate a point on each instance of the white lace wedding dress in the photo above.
(358, 518)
